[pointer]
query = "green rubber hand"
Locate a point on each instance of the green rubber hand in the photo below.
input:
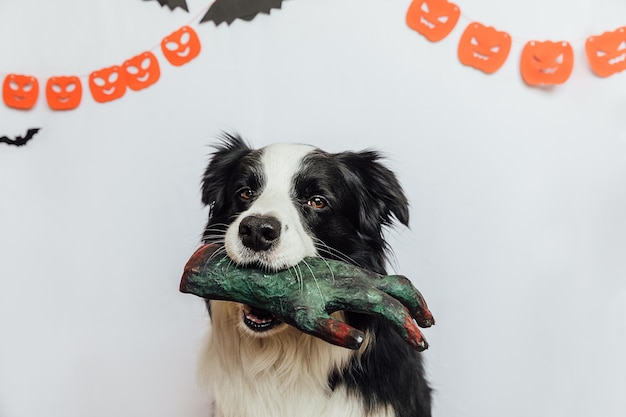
(304, 296)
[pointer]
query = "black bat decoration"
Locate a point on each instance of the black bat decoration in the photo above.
(172, 4)
(229, 10)
(19, 140)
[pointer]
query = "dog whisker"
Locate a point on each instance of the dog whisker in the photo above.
(332, 274)
(297, 277)
(300, 277)
(333, 253)
(218, 252)
(314, 279)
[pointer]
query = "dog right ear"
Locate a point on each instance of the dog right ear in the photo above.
(218, 173)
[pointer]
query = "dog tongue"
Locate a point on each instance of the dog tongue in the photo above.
(260, 314)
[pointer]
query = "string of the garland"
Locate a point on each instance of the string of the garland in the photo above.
(517, 38)
(541, 63)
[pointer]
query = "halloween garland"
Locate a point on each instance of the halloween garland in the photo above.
(65, 92)
(541, 63)
(481, 47)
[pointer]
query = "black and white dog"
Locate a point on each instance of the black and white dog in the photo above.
(272, 207)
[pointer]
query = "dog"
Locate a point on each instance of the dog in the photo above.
(270, 208)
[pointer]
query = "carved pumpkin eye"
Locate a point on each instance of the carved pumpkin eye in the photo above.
(185, 38)
(145, 64)
(317, 202)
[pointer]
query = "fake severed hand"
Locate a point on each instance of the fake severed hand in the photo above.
(304, 296)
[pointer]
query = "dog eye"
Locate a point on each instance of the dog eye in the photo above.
(246, 193)
(317, 202)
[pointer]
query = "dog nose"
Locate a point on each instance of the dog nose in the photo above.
(259, 232)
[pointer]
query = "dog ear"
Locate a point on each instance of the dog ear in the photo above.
(218, 173)
(382, 197)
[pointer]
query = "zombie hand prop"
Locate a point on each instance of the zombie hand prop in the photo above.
(304, 296)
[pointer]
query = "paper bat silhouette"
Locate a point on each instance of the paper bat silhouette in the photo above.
(19, 140)
(229, 10)
(172, 4)
(307, 295)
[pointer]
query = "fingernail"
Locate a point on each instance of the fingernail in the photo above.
(415, 337)
(426, 319)
(422, 345)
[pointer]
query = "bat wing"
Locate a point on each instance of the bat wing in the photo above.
(19, 140)
(172, 4)
(229, 10)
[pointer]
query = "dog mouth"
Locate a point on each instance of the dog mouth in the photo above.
(259, 320)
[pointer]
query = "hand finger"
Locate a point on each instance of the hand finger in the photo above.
(344, 277)
(329, 329)
(401, 288)
(339, 333)
(385, 306)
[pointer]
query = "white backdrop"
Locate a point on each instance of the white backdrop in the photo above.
(518, 198)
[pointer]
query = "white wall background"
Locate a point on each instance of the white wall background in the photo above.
(518, 236)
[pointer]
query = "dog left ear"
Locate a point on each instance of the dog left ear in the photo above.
(218, 173)
(381, 193)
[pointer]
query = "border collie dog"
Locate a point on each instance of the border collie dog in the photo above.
(272, 207)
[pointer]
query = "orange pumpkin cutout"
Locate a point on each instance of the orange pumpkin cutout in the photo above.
(546, 62)
(107, 84)
(20, 91)
(142, 71)
(181, 46)
(606, 53)
(64, 93)
(483, 47)
(433, 19)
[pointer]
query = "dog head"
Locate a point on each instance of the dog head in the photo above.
(274, 206)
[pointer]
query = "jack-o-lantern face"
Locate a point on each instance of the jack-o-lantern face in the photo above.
(63, 93)
(181, 46)
(606, 53)
(546, 62)
(20, 91)
(142, 71)
(107, 84)
(434, 19)
(483, 47)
